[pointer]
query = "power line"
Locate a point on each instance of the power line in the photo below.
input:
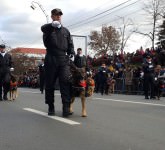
(104, 15)
(82, 21)
(98, 25)
(88, 14)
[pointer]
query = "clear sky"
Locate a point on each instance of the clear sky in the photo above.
(20, 25)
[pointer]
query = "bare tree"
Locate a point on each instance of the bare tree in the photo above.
(104, 42)
(155, 10)
(161, 34)
(125, 31)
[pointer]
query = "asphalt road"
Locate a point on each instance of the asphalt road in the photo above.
(116, 122)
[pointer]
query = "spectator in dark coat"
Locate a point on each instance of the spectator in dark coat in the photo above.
(42, 76)
(5, 68)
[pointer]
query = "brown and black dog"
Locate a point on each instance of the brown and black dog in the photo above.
(82, 86)
(90, 86)
(111, 85)
(13, 87)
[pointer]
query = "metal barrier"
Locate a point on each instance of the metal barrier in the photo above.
(135, 88)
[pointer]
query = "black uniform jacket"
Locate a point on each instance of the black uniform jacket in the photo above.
(148, 68)
(5, 63)
(57, 41)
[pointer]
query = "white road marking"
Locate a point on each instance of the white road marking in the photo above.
(67, 121)
(115, 100)
(124, 101)
(35, 92)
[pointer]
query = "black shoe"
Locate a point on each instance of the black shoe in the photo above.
(51, 111)
(146, 97)
(66, 112)
(153, 97)
(71, 113)
(5, 97)
(1, 99)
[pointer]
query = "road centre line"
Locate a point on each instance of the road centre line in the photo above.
(64, 120)
(123, 101)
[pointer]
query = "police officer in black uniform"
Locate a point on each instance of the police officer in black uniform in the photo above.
(5, 66)
(102, 78)
(42, 76)
(59, 47)
(148, 69)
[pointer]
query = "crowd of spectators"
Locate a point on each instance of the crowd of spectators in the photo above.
(29, 79)
(125, 68)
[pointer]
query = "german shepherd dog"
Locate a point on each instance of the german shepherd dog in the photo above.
(111, 85)
(13, 87)
(82, 86)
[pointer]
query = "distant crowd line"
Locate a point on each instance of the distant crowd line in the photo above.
(124, 69)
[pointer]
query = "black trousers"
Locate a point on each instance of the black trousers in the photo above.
(57, 67)
(149, 85)
(4, 83)
(42, 81)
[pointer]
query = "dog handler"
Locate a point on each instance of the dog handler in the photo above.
(5, 66)
(59, 47)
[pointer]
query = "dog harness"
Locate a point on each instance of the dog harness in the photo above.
(82, 83)
(13, 85)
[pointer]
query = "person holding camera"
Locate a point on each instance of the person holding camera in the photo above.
(60, 48)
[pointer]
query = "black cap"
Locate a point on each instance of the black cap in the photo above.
(56, 11)
(79, 49)
(148, 56)
(2, 46)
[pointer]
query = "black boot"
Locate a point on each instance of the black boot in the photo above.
(153, 97)
(66, 112)
(146, 97)
(5, 97)
(51, 111)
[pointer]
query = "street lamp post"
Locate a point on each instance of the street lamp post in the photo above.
(43, 10)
